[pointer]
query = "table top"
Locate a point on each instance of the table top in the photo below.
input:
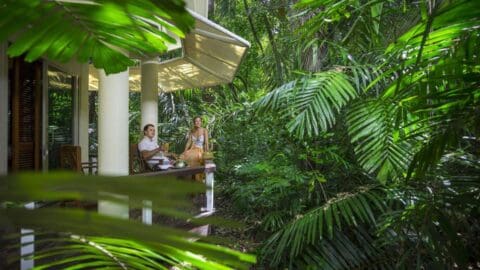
(180, 172)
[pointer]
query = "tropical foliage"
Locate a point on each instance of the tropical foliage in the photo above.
(349, 138)
(83, 239)
(360, 149)
(97, 31)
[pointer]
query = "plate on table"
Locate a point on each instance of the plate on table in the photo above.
(164, 167)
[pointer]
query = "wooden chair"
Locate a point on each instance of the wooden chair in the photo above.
(138, 164)
(70, 159)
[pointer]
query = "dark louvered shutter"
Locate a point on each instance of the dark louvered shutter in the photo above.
(26, 115)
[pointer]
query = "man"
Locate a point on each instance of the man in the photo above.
(149, 148)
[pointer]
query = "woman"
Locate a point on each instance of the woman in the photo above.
(197, 143)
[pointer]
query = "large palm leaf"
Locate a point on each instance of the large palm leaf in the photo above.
(310, 104)
(431, 219)
(54, 251)
(105, 32)
(173, 244)
(98, 251)
(378, 144)
(350, 250)
(348, 210)
(438, 79)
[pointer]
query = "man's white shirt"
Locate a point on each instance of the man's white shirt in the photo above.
(147, 144)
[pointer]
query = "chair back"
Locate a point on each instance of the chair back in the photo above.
(70, 158)
(137, 163)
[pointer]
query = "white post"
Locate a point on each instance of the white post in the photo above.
(149, 107)
(114, 208)
(3, 109)
(83, 112)
(147, 212)
(113, 144)
(113, 135)
(27, 247)
(149, 101)
(209, 192)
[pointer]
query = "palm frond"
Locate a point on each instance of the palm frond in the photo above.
(311, 103)
(371, 126)
(100, 31)
(352, 250)
(78, 252)
(171, 243)
(429, 224)
(347, 210)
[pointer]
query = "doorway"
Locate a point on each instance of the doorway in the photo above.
(41, 114)
(60, 120)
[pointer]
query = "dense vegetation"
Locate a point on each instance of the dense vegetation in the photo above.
(350, 136)
(348, 140)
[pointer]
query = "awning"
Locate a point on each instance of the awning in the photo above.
(211, 56)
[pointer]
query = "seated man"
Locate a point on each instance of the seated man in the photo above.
(149, 149)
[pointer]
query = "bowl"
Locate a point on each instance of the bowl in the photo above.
(180, 164)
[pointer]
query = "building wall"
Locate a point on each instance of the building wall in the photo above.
(198, 6)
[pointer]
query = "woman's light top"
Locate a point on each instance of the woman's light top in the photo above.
(198, 141)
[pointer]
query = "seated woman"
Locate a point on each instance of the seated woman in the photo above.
(197, 143)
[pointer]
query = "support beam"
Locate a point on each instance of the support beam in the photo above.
(3, 109)
(113, 144)
(218, 37)
(83, 111)
(149, 105)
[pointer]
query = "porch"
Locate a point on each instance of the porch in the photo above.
(33, 126)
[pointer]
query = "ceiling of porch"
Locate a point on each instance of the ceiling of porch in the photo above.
(210, 56)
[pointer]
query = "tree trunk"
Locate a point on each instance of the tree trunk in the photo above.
(250, 21)
(276, 54)
(211, 8)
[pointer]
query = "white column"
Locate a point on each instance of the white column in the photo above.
(3, 109)
(149, 107)
(113, 124)
(149, 100)
(209, 181)
(147, 212)
(118, 208)
(27, 244)
(83, 111)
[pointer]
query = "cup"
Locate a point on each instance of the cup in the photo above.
(165, 146)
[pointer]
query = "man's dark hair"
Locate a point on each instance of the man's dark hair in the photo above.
(147, 126)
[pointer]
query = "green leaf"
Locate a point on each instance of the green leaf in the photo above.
(311, 103)
(103, 31)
